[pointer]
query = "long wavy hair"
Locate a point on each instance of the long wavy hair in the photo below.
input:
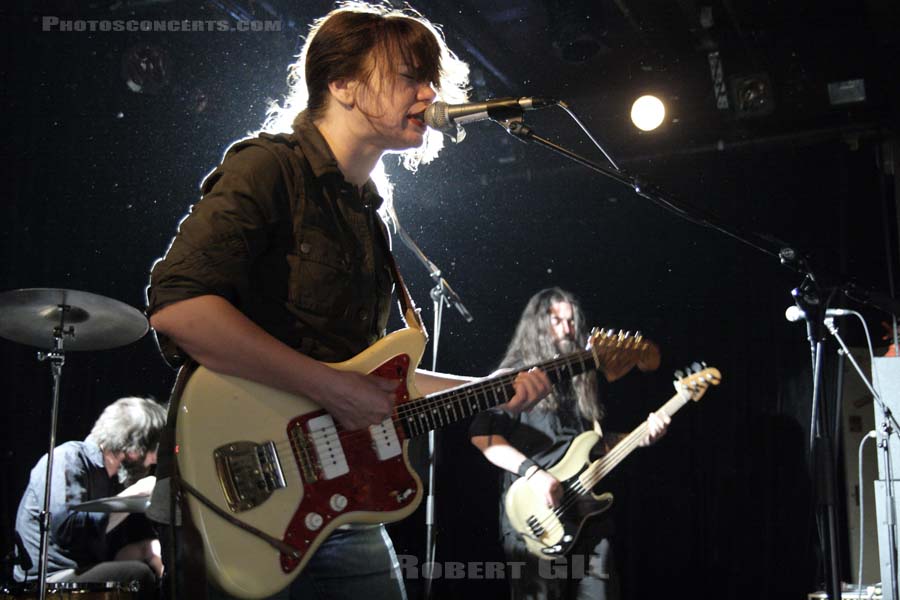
(357, 40)
(129, 424)
(533, 342)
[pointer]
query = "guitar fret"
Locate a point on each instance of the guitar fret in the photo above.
(585, 365)
(412, 430)
(423, 417)
(441, 409)
(477, 398)
(483, 398)
(458, 399)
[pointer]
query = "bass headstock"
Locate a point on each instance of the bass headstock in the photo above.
(693, 382)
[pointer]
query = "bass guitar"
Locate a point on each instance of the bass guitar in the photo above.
(551, 532)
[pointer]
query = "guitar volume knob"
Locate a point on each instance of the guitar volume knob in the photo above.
(313, 521)
(338, 502)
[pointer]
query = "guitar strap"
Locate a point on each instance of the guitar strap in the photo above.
(411, 314)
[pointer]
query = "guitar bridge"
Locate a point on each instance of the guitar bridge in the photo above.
(248, 473)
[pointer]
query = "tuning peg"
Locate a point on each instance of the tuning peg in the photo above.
(638, 336)
(679, 375)
(696, 367)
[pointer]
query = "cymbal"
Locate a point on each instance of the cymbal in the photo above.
(125, 504)
(89, 321)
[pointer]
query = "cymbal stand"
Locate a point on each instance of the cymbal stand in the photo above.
(57, 358)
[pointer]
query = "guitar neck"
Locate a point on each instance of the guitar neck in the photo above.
(601, 467)
(435, 411)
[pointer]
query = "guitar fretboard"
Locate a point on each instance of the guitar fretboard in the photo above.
(420, 416)
(601, 467)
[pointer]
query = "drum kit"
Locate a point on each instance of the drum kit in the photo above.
(57, 321)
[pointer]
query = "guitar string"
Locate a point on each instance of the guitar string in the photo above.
(351, 443)
(428, 406)
(424, 405)
(431, 404)
(348, 440)
(574, 491)
(613, 457)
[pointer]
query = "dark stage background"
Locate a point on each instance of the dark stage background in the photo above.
(97, 177)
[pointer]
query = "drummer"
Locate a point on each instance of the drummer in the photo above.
(114, 460)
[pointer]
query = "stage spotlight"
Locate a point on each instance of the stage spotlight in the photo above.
(648, 113)
(752, 95)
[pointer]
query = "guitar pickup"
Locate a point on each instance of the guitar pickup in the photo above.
(536, 528)
(248, 473)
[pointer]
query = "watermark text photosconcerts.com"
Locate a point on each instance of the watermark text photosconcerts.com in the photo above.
(52, 23)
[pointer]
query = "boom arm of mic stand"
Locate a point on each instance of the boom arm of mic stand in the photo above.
(442, 288)
(450, 297)
(767, 245)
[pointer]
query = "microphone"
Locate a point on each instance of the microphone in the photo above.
(446, 117)
(795, 313)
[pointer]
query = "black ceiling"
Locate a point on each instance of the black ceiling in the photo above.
(599, 56)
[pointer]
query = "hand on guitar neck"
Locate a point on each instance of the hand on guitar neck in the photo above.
(657, 425)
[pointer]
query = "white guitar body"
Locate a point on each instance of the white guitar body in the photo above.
(218, 410)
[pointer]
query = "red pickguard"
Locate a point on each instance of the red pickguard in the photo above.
(372, 485)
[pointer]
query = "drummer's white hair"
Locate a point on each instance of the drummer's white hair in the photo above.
(129, 424)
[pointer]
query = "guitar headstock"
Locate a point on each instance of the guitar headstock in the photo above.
(617, 352)
(697, 380)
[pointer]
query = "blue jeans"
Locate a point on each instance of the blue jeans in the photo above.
(350, 565)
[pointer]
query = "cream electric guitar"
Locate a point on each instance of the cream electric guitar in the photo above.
(550, 532)
(270, 475)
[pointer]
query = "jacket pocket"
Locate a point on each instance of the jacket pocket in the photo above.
(321, 279)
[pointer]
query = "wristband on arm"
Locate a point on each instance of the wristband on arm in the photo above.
(525, 465)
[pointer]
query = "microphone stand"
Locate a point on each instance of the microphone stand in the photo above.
(889, 426)
(512, 120)
(821, 443)
(441, 294)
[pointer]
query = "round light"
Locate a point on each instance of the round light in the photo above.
(647, 113)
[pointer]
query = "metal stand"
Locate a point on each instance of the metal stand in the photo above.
(57, 359)
(889, 426)
(442, 294)
(821, 442)
(26, 316)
